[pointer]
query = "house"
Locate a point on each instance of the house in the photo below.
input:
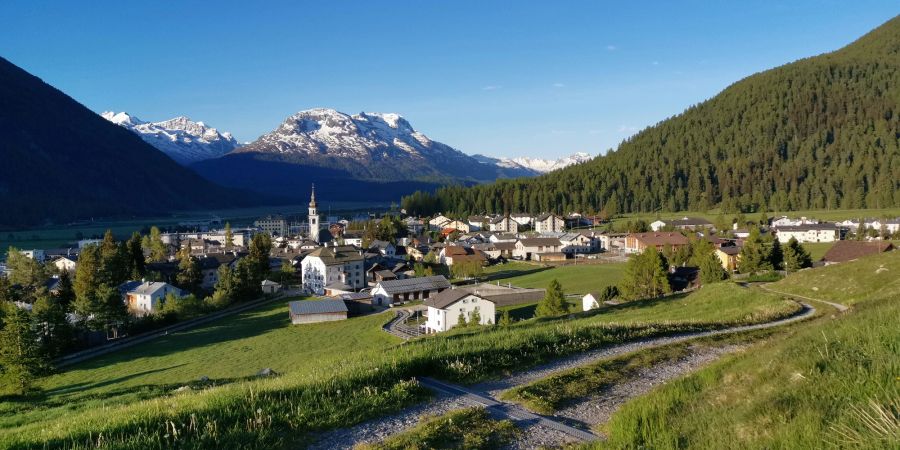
(843, 251)
(314, 311)
(573, 243)
(785, 221)
(637, 242)
(383, 275)
(575, 220)
(452, 254)
(417, 253)
(270, 287)
(35, 254)
(274, 225)
(549, 223)
(146, 297)
(504, 224)
(477, 223)
(684, 223)
(457, 225)
(66, 263)
(439, 222)
(729, 256)
(414, 225)
(523, 219)
(498, 250)
(336, 267)
(384, 248)
(549, 257)
(590, 301)
(392, 292)
(527, 248)
(354, 238)
(445, 308)
(817, 232)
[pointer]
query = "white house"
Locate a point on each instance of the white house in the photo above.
(821, 232)
(684, 223)
(504, 224)
(590, 301)
(522, 219)
(437, 223)
(444, 309)
(36, 254)
(384, 248)
(549, 223)
(657, 225)
(66, 263)
(390, 292)
(338, 268)
(573, 243)
(270, 287)
(526, 248)
(478, 223)
(146, 297)
(785, 221)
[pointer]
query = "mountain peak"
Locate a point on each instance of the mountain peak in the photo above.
(181, 138)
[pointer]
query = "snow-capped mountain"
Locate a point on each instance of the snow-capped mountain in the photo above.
(536, 165)
(182, 139)
(382, 146)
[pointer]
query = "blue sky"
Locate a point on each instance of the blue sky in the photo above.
(541, 79)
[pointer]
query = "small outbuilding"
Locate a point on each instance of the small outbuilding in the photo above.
(314, 311)
(270, 287)
(590, 301)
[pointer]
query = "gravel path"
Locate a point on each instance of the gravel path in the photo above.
(599, 407)
(535, 436)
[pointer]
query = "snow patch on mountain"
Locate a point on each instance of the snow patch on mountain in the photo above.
(536, 165)
(182, 139)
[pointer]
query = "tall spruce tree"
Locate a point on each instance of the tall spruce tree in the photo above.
(795, 256)
(554, 301)
(20, 354)
(646, 276)
(229, 235)
(189, 274)
(137, 261)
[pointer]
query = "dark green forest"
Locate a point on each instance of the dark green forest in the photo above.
(818, 133)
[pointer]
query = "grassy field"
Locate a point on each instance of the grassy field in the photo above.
(333, 374)
(575, 279)
(232, 349)
(831, 383)
(822, 214)
(817, 249)
(470, 429)
(847, 283)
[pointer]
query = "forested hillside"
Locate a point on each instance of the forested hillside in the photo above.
(822, 132)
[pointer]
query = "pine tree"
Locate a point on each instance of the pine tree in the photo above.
(229, 236)
(711, 270)
(795, 256)
(476, 318)
(137, 262)
(505, 320)
(87, 280)
(24, 271)
(65, 293)
(554, 301)
(20, 353)
(114, 264)
(54, 330)
(776, 255)
(461, 320)
(287, 272)
(154, 243)
(754, 256)
(646, 276)
(189, 274)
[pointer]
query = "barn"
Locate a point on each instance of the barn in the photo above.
(313, 311)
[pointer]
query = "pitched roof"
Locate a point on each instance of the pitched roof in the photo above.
(661, 238)
(545, 216)
(337, 255)
(689, 221)
(146, 287)
(808, 227)
(730, 250)
(446, 298)
(843, 251)
(535, 242)
(305, 307)
(431, 283)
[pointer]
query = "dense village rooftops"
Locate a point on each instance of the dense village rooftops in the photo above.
(661, 238)
(499, 219)
(431, 283)
(304, 307)
(337, 255)
(540, 242)
(843, 251)
(379, 244)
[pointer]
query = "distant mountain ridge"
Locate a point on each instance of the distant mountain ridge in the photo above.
(85, 166)
(182, 139)
(536, 165)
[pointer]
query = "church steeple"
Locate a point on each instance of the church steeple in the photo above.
(313, 216)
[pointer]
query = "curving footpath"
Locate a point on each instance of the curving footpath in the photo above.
(451, 396)
(834, 305)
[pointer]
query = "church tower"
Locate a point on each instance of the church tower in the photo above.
(313, 217)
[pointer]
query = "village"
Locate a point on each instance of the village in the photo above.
(433, 270)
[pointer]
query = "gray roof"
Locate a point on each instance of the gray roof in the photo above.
(810, 226)
(446, 298)
(304, 307)
(534, 242)
(146, 288)
(337, 255)
(432, 283)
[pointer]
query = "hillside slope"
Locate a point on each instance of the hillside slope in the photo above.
(822, 132)
(62, 162)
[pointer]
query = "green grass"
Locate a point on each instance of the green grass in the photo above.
(228, 350)
(847, 283)
(470, 429)
(550, 394)
(821, 214)
(817, 249)
(832, 383)
(333, 374)
(575, 279)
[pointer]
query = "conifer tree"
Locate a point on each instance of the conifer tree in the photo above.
(505, 320)
(229, 235)
(24, 271)
(20, 354)
(189, 274)
(795, 256)
(646, 276)
(461, 320)
(53, 327)
(475, 318)
(554, 301)
(137, 262)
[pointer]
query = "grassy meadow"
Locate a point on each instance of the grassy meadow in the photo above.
(332, 375)
(575, 279)
(470, 429)
(847, 283)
